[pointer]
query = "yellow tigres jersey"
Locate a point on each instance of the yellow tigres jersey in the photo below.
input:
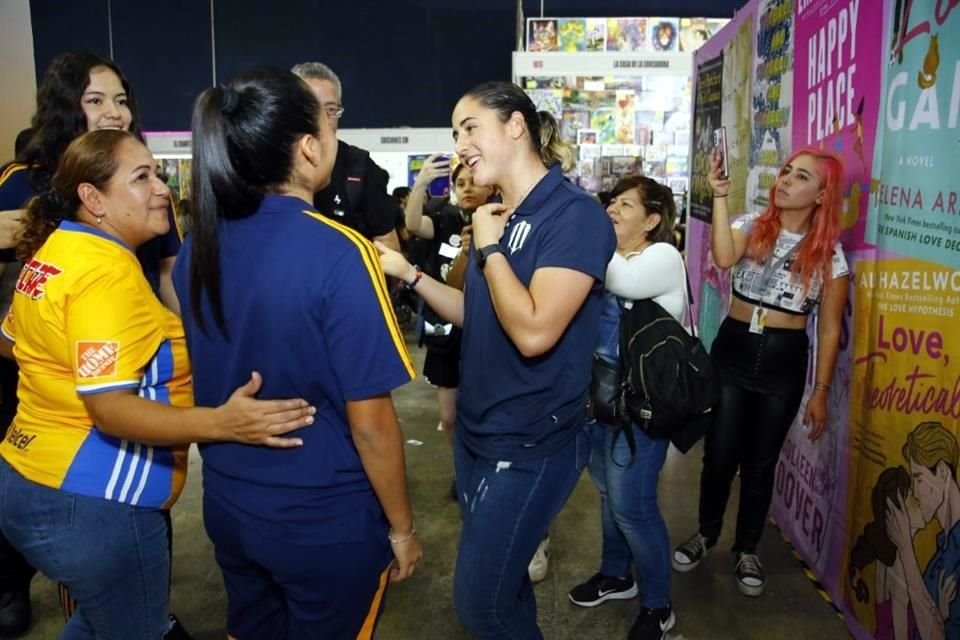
(84, 320)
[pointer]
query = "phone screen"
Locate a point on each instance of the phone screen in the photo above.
(440, 187)
(720, 144)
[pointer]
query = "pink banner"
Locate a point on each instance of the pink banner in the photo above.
(837, 76)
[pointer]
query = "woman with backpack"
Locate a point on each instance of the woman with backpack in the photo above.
(786, 260)
(636, 550)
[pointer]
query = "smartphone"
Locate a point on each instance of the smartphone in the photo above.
(440, 187)
(720, 144)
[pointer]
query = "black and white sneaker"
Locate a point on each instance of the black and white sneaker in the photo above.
(688, 555)
(601, 588)
(750, 578)
(652, 624)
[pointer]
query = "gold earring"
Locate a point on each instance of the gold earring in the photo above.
(99, 219)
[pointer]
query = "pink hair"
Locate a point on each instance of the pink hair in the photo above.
(816, 249)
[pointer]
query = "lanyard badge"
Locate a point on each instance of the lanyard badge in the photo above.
(759, 320)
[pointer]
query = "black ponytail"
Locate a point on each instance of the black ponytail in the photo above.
(243, 141)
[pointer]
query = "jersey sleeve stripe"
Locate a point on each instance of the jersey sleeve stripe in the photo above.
(7, 335)
(372, 263)
(10, 170)
(90, 389)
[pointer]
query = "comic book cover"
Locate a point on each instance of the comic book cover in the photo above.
(625, 118)
(184, 167)
(549, 100)
(676, 166)
(573, 121)
(604, 122)
(654, 169)
(626, 34)
(572, 34)
(624, 166)
(664, 34)
(587, 137)
(596, 34)
(541, 35)
(693, 33)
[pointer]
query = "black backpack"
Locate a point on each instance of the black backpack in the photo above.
(669, 387)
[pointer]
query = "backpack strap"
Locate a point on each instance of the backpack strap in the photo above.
(356, 177)
(693, 325)
(626, 424)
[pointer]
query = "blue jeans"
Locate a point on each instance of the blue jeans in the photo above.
(633, 528)
(113, 557)
(507, 507)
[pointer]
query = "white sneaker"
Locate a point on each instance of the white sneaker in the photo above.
(540, 562)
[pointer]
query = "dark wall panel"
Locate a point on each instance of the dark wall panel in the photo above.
(400, 65)
(78, 25)
(165, 55)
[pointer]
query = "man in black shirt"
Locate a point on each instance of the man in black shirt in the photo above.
(357, 194)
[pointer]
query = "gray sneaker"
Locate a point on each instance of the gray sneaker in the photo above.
(688, 555)
(750, 578)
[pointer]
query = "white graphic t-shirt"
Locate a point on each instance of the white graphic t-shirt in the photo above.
(772, 283)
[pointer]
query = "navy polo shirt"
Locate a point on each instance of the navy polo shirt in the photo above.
(511, 407)
(307, 306)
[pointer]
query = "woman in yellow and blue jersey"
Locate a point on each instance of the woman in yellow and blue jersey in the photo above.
(96, 453)
(80, 92)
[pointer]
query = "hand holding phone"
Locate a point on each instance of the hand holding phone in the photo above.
(720, 148)
(435, 175)
(719, 177)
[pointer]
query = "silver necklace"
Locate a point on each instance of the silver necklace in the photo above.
(527, 192)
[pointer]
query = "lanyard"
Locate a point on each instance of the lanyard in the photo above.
(769, 268)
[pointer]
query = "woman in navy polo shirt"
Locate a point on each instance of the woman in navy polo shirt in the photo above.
(530, 314)
(306, 540)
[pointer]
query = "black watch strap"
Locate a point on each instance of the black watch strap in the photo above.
(485, 252)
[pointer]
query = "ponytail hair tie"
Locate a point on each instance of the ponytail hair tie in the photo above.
(229, 100)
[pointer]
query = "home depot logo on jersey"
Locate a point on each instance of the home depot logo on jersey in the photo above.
(97, 359)
(34, 276)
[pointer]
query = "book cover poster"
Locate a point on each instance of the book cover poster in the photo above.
(184, 167)
(571, 122)
(572, 34)
(694, 32)
(626, 34)
(664, 34)
(587, 137)
(541, 35)
(171, 173)
(596, 34)
(549, 100)
(624, 116)
(604, 122)
(706, 119)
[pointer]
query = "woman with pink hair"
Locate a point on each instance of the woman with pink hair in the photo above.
(786, 260)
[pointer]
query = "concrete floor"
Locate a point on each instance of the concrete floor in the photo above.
(707, 603)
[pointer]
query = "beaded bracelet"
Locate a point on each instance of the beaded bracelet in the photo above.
(413, 532)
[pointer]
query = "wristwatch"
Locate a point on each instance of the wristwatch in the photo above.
(485, 252)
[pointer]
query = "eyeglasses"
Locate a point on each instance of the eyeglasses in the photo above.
(334, 112)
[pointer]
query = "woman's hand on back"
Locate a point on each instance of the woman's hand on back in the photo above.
(246, 420)
(393, 263)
